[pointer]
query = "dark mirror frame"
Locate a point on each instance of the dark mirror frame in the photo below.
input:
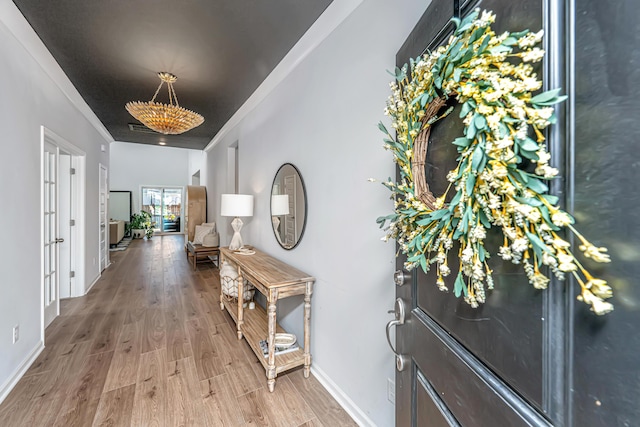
(304, 192)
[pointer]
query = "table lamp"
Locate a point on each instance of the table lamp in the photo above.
(236, 205)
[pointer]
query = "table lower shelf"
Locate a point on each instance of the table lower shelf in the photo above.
(256, 328)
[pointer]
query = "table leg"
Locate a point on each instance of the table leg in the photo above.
(271, 368)
(220, 260)
(307, 329)
(240, 284)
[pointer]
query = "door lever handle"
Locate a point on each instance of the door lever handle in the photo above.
(59, 240)
(390, 325)
(401, 360)
(398, 321)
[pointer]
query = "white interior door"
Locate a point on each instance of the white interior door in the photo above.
(104, 241)
(290, 220)
(64, 225)
(50, 233)
(69, 184)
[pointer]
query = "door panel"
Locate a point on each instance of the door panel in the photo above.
(485, 364)
(523, 354)
(64, 231)
(473, 394)
(50, 235)
(104, 241)
(430, 409)
(506, 331)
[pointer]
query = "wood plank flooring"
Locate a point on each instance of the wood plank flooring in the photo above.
(149, 346)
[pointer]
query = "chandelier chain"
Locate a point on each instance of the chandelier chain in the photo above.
(157, 90)
(175, 97)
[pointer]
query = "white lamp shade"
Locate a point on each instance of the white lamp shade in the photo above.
(236, 205)
(280, 204)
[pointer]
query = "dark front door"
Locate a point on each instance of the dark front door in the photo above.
(529, 357)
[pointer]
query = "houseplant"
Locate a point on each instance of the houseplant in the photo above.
(141, 225)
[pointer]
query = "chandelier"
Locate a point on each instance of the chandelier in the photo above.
(169, 119)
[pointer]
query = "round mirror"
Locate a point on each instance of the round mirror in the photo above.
(288, 206)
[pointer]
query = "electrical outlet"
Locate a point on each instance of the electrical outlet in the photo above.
(16, 333)
(391, 391)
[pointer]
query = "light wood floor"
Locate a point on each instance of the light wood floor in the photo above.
(149, 346)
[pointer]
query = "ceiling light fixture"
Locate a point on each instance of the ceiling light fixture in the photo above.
(169, 119)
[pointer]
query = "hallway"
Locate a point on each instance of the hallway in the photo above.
(149, 346)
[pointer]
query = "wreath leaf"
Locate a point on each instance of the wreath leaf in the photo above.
(491, 76)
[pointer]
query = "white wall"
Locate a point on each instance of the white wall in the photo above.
(322, 118)
(32, 97)
(137, 165)
(197, 160)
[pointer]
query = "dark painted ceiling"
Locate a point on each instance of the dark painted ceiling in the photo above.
(221, 50)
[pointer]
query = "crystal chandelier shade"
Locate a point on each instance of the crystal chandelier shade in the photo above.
(169, 119)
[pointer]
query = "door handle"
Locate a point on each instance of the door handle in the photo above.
(400, 313)
(398, 321)
(59, 240)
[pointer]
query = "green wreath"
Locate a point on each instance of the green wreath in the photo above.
(491, 76)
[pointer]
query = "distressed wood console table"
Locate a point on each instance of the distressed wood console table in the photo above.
(275, 280)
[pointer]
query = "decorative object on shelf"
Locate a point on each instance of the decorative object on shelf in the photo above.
(288, 206)
(282, 340)
(236, 205)
(264, 346)
(169, 119)
(229, 283)
(140, 224)
(491, 77)
(244, 251)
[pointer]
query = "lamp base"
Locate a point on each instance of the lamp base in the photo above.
(276, 223)
(236, 240)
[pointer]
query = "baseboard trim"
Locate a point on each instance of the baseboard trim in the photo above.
(6, 388)
(341, 397)
(91, 285)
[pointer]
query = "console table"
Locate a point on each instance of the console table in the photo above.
(275, 280)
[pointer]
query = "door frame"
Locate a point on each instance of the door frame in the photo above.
(78, 197)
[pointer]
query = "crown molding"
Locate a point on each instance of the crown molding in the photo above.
(17, 25)
(333, 16)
